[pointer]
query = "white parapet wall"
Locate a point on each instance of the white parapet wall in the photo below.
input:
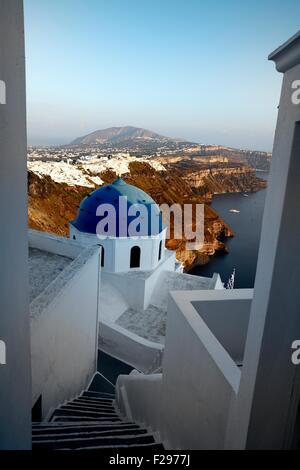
(64, 327)
(54, 244)
(128, 347)
(139, 398)
(137, 286)
(190, 403)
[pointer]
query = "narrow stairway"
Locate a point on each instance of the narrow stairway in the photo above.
(91, 422)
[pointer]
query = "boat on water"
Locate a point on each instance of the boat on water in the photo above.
(234, 211)
(246, 195)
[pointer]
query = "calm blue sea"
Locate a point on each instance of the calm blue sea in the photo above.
(243, 248)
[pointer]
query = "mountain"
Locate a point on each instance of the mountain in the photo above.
(138, 142)
(118, 135)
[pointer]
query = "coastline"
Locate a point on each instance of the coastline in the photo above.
(242, 249)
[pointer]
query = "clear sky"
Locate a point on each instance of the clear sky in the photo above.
(195, 69)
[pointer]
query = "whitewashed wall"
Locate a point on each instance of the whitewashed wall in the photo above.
(64, 328)
(200, 379)
(146, 391)
(268, 404)
(54, 244)
(137, 287)
(132, 288)
(228, 320)
(168, 264)
(117, 250)
(15, 384)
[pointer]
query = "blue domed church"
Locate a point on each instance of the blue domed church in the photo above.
(126, 222)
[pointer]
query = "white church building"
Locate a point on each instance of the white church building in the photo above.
(121, 253)
(213, 367)
(135, 274)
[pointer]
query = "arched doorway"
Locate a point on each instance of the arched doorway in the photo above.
(135, 257)
(160, 251)
(102, 255)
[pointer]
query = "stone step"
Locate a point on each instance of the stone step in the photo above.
(51, 424)
(95, 401)
(73, 411)
(79, 434)
(109, 441)
(64, 427)
(69, 411)
(88, 409)
(91, 422)
(85, 419)
(110, 396)
(88, 406)
(153, 448)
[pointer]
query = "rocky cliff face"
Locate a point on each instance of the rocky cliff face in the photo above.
(207, 154)
(208, 182)
(52, 205)
(253, 158)
(259, 160)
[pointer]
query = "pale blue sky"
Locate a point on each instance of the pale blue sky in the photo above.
(195, 69)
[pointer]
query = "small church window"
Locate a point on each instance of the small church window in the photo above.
(135, 257)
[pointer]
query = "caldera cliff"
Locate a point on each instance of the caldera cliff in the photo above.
(53, 204)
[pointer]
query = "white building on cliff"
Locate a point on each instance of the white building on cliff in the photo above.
(137, 272)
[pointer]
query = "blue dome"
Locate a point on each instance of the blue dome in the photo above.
(87, 219)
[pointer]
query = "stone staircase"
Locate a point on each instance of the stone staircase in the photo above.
(89, 422)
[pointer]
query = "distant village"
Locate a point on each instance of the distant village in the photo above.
(79, 154)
